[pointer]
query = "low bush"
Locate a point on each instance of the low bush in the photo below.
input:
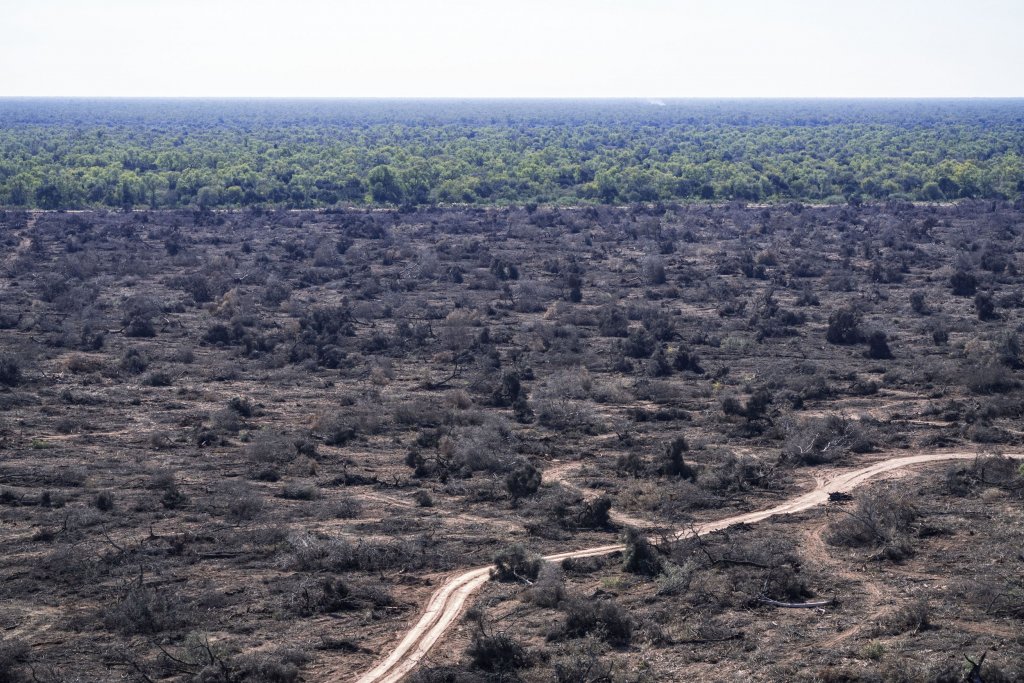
(549, 588)
(844, 327)
(639, 557)
(133, 362)
(311, 552)
(985, 471)
(300, 492)
(881, 518)
(824, 441)
(158, 378)
(496, 653)
(878, 346)
(327, 595)
(242, 406)
(739, 473)
(963, 283)
(270, 448)
(523, 481)
(582, 663)
(446, 674)
(104, 501)
(13, 655)
(911, 617)
(146, 611)
(989, 378)
(672, 463)
(569, 510)
(515, 564)
(606, 618)
(282, 665)
(172, 497)
(10, 370)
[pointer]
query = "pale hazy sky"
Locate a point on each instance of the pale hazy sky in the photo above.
(513, 48)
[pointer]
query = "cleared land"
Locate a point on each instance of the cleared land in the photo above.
(251, 446)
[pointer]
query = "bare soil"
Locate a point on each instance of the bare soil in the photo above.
(256, 446)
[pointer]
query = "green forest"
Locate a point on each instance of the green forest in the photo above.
(78, 153)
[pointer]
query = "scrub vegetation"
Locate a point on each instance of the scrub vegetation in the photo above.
(248, 445)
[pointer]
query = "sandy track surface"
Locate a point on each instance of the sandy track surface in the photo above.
(448, 602)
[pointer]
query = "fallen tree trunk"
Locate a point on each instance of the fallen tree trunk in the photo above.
(705, 641)
(797, 605)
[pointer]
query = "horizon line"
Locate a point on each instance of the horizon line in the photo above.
(537, 98)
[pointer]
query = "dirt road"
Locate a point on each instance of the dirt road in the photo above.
(447, 603)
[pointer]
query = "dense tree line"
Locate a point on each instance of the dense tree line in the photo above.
(151, 153)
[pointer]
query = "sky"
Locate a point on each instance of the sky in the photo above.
(512, 48)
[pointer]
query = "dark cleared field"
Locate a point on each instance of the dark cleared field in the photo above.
(246, 446)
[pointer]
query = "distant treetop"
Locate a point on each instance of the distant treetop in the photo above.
(74, 153)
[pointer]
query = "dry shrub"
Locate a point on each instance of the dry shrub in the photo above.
(13, 654)
(881, 518)
(602, 617)
(734, 568)
(739, 473)
(824, 441)
(81, 364)
(270, 448)
(515, 564)
(582, 663)
(281, 665)
(911, 617)
(549, 588)
(419, 412)
(146, 611)
(310, 552)
(325, 595)
(496, 653)
(563, 414)
(488, 447)
(446, 674)
(338, 428)
(344, 507)
(985, 471)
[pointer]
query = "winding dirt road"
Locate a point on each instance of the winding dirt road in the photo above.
(447, 603)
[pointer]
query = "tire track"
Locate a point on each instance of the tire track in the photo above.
(447, 603)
